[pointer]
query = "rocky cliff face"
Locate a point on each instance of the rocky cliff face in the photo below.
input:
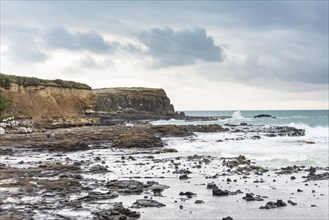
(48, 101)
(58, 103)
(147, 100)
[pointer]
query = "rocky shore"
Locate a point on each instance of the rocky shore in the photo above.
(129, 172)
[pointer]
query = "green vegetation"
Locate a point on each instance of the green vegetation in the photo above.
(5, 103)
(6, 80)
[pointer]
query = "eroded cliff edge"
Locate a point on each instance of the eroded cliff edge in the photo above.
(58, 103)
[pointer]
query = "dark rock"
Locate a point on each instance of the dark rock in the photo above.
(292, 203)
(263, 116)
(255, 137)
(315, 177)
(118, 212)
(227, 218)
(199, 201)
(95, 196)
(252, 197)
(234, 162)
(97, 158)
(143, 203)
(181, 207)
(269, 205)
(137, 140)
(299, 190)
(312, 171)
(98, 169)
(188, 194)
(183, 177)
(219, 192)
(280, 203)
(212, 186)
(182, 171)
(292, 177)
(272, 205)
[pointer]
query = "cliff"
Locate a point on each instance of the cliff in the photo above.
(58, 103)
(132, 100)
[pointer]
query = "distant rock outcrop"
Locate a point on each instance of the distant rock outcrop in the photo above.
(132, 100)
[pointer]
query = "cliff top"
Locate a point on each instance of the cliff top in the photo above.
(6, 80)
(134, 90)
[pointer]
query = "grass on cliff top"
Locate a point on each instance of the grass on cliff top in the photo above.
(6, 80)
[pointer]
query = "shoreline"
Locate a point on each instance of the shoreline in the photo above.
(103, 172)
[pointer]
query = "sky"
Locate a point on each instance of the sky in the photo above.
(206, 55)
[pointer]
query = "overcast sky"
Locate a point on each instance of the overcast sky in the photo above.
(225, 55)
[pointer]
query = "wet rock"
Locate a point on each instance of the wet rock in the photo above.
(255, 137)
(280, 203)
(118, 212)
(273, 205)
(95, 196)
(263, 116)
(143, 203)
(312, 171)
(212, 186)
(219, 192)
(137, 140)
(234, 162)
(97, 158)
(321, 176)
(183, 177)
(227, 218)
(157, 189)
(199, 201)
(98, 169)
(132, 187)
(188, 194)
(6, 151)
(259, 181)
(66, 146)
(292, 203)
(182, 171)
(252, 197)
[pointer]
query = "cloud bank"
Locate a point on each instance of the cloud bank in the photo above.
(182, 47)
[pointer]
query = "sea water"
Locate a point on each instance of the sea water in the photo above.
(268, 151)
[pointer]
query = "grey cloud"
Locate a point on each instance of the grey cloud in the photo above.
(91, 63)
(23, 46)
(91, 41)
(23, 53)
(182, 47)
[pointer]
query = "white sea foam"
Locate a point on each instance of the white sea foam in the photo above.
(272, 152)
(312, 132)
(237, 115)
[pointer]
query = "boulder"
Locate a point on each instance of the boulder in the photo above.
(22, 130)
(143, 203)
(2, 131)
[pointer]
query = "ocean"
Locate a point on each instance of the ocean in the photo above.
(273, 152)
